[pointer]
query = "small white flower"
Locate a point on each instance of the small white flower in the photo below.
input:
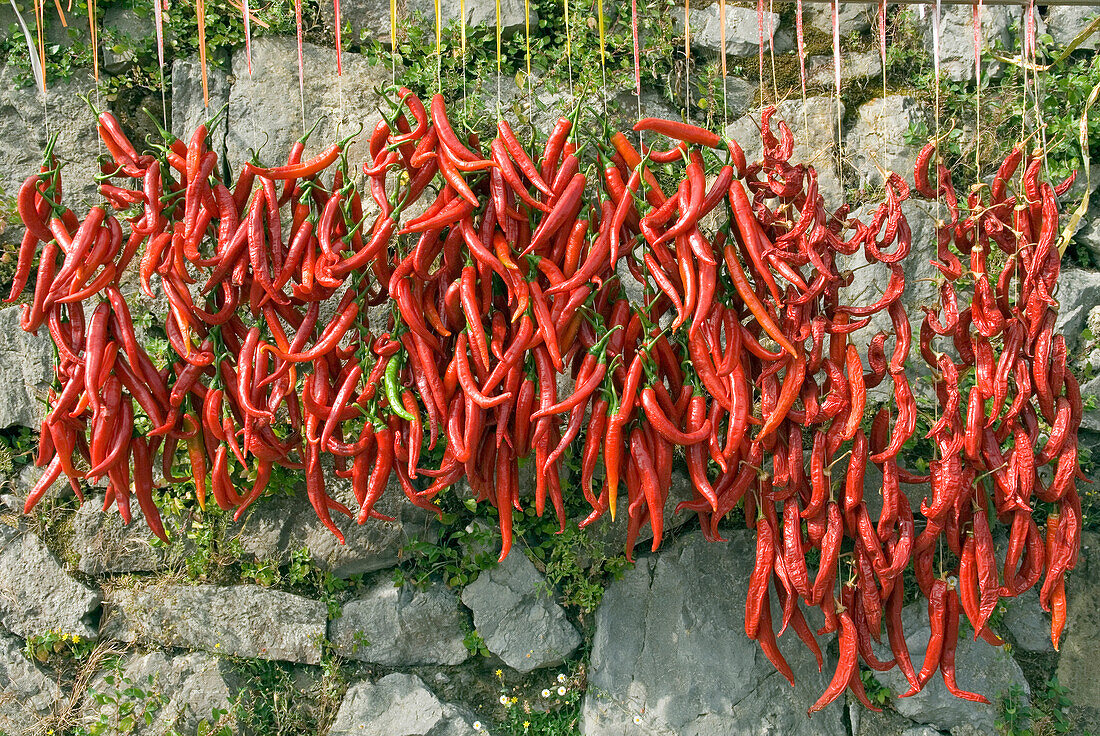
(504, 700)
(637, 720)
(477, 725)
(561, 689)
(561, 678)
(546, 693)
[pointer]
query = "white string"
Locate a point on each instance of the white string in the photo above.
(158, 14)
(722, 27)
(882, 56)
(36, 66)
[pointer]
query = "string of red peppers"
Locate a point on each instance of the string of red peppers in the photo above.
(739, 357)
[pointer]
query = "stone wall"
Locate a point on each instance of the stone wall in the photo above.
(663, 654)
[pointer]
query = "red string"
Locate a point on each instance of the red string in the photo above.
(760, 26)
(637, 56)
(801, 48)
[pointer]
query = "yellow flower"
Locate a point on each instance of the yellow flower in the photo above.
(514, 700)
(76, 638)
(526, 725)
(500, 673)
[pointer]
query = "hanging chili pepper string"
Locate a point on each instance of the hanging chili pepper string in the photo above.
(301, 62)
(1037, 86)
(200, 13)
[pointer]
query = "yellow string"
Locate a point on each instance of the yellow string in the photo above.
(603, 51)
(200, 11)
(438, 48)
(393, 39)
(568, 47)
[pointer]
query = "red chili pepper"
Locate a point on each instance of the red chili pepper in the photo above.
(680, 131)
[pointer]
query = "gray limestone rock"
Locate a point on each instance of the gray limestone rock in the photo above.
(273, 528)
(980, 668)
(742, 30)
(956, 38)
(877, 140)
(1028, 624)
(851, 17)
(478, 13)
(266, 109)
(37, 596)
(361, 20)
(27, 695)
(399, 704)
(26, 370)
(188, 106)
(188, 693)
(1066, 22)
(122, 33)
(401, 626)
(240, 620)
(516, 616)
(106, 545)
(1078, 667)
(27, 126)
(1078, 292)
(853, 65)
(670, 655)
